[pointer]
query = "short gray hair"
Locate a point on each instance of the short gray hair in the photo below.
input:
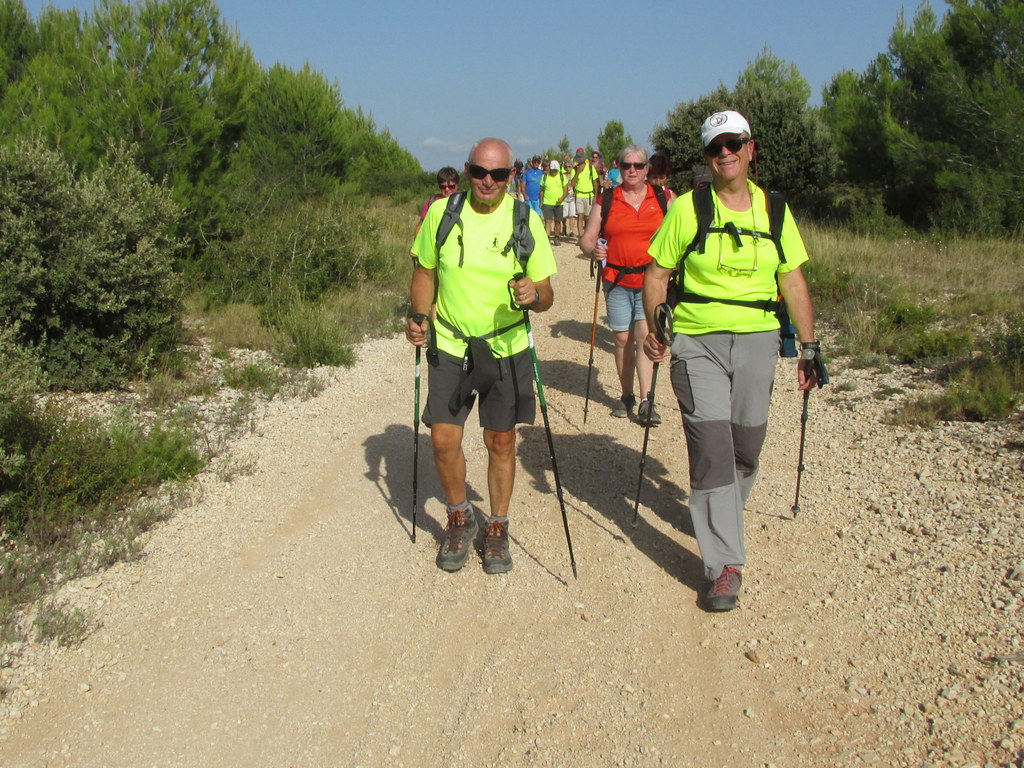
(633, 149)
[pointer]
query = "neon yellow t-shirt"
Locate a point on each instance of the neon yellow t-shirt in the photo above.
(586, 179)
(474, 297)
(552, 188)
(723, 270)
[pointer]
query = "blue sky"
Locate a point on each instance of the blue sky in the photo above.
(441, 75)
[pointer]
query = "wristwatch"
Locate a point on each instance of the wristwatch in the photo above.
(809, 349)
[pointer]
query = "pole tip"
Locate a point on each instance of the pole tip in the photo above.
(795, 510)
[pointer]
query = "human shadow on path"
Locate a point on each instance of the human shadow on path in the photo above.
(602, 473)
(571, 379)
(389, 458)
(577, 330)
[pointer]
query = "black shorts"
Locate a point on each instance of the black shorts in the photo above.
(508, 402)
(553, 212)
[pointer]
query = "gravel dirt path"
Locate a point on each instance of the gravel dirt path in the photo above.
(286, 619)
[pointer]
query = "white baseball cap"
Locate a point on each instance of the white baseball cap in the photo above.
(554, 165)
(723, 122)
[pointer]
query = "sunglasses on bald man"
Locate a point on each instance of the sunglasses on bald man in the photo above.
(498, 174)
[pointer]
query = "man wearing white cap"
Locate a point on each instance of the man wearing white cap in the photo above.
(726, 337)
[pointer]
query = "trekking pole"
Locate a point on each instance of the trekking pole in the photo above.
(547, 428)
(593, 335)
(800, 462)
(418, 319)
(821, 378)
(663, 330)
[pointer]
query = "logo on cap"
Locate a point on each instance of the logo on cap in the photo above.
(718, 119)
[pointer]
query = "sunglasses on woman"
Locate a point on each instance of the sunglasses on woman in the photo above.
(498, 174)
(634, 166)
(733, 145)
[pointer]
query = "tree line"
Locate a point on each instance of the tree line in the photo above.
(928, 137)
(143, 148)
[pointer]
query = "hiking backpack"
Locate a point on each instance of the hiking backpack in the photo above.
(521, 243)
(703, 206)
(521, 240)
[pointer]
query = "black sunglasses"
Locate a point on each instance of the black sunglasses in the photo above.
(498, 174)
(635, 166)
(733, 145)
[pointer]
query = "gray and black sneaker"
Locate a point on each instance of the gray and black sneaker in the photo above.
(458, 539)
(624, 407)
(724, 592)
(497, 558)
(646, 412)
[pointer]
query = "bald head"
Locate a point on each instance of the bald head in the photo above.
(491, 145)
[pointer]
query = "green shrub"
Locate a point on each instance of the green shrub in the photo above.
(86, 280)
(316, 336)
(1008, 345)
(297, 254)
(63, 624)
(254, 377)
(980, 390)
(76, 471)
(931, 346)
(900, 313)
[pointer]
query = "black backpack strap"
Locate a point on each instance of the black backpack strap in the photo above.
(452, 216)
(606, 206)
(659, 192)
(521, 242)
(460, 336)
(776, 203)
(766, 305)
(704, 207)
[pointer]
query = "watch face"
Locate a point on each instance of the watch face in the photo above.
(808, 354)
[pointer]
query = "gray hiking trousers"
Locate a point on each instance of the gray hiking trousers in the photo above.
(723, 382)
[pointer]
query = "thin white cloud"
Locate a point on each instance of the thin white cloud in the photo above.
(432, 142)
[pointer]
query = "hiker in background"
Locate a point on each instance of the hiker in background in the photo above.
(658, 171)
(512, 188)
(634, 214)
(726, 338)
(474, 274)
(586, 181)
(595, 160)
(569, 206)
(552, 196)
(529, 187)
(614, 178)
(447, 183)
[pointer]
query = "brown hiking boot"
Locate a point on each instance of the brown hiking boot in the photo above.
(459, 535)
(497, 558)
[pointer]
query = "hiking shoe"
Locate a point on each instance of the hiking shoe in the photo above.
(625, 406)
(459, 535)
(724, 592)
(646, 412)
(497, 558)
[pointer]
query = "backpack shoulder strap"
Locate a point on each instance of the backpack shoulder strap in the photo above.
(522, 241)
(606, 206)
(703, 206)
(659, 192)
(452, 216)
(776, 203)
